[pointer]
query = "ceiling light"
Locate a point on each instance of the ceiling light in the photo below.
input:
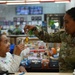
(13, 1)
(63, 2)
(2, 2)
(17, 3)
(32, 3)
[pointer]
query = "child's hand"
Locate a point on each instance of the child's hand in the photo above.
(22, 69)
(18, 49)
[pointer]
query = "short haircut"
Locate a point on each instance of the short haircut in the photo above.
(71, 12)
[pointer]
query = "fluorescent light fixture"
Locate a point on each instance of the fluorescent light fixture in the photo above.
(47, 0)
(32, 0)
(17, 3)
(32, 3)
(62, 1)
(13, 1)
(2, 1)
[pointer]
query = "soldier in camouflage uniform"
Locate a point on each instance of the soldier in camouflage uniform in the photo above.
(66, 38)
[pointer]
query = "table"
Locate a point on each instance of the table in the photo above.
(45, 73)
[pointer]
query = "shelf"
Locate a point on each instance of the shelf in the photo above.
(22, 36)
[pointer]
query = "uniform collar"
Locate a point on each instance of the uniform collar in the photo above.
(70, 34)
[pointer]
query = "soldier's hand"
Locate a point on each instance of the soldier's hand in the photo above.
(28, 27)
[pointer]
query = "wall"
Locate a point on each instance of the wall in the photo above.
(9, 11)
(70, 5)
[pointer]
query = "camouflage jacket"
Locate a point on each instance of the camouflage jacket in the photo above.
(67, 50)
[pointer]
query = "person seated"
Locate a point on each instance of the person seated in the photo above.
(17, 30)
(9, 62)
(53, 53)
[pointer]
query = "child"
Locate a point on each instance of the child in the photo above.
(9, 62)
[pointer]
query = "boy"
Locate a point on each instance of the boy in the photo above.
(9, 62)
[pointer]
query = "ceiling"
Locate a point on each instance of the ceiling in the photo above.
(11, 0)
(29, 1)
(35, 0)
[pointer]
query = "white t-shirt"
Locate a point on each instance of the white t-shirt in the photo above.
(25, 52)
(10, 63)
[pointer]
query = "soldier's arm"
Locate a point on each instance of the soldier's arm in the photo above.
(42, 35)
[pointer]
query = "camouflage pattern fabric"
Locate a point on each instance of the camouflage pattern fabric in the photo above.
(67, 50)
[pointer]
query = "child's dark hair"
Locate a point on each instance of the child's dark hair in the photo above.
(71, 12)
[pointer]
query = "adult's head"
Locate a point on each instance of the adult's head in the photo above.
(69, 21)
(16, 25)
(4, 45)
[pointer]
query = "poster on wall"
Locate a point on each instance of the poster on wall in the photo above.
(39, 18)
(6, 22)
(32, 18)
(15, 19)
(18, 18)
(21, 19)
(36, 18)
(36, 10)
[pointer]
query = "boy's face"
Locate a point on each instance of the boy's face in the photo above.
(4, 45)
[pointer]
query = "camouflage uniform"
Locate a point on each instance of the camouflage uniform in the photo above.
(67, 50)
